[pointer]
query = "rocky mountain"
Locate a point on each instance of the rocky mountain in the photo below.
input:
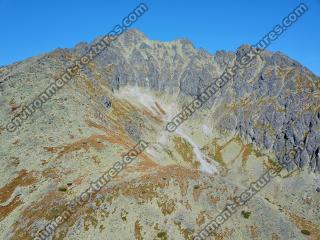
(267, 115)
(287, 116)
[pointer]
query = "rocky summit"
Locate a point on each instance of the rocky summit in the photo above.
(94, 159)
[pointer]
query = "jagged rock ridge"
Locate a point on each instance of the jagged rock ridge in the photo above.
(274, 102)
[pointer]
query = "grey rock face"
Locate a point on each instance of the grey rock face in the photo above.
(274, 101)
(106, 102)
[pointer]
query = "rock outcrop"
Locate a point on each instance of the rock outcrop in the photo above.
(274, 102)
(268, 113)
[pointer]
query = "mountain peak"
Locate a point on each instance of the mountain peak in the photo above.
(103, 136)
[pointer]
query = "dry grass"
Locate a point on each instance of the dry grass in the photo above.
(304, 224)
(23, 179)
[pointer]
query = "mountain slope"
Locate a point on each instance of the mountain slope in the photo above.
(182, 180)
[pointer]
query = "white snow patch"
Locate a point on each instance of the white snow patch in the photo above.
(205, 166)
(153, 152)
(207, 131)
(140, 96)
(163, 138)
(145, 98)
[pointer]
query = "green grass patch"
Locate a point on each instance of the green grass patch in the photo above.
(62, 189)
(305, 232)
(245, 214)
(162, 235)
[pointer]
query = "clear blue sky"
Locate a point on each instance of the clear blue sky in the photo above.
(31, 27)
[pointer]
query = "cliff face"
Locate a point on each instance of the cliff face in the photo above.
(274, 102)
(268, 112)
